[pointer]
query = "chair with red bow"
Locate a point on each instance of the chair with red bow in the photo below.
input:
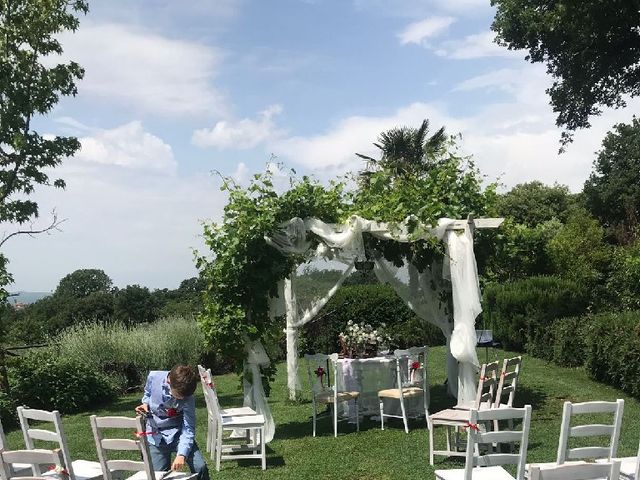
(411, 382)
(135, 441)
(36, 457)
(455, 418)
(488, 466)
(324, 390)
(78, 469)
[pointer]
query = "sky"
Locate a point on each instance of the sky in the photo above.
(177, 93)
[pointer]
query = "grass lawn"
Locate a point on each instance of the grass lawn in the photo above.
(372, 453)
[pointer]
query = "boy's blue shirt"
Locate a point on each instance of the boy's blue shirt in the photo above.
(157, 394)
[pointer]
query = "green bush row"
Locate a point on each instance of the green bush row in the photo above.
(370, 303)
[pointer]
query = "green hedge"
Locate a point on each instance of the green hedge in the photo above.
(373, 304)
(569, 340)
(613, 350)
(521, 313)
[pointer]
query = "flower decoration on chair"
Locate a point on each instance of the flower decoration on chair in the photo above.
(362, 340)
(320, 373)
(413, 369)
(59, 470)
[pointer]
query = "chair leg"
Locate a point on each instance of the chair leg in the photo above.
(431, 444)
(219, 448)
(315, 413)
(263, 449)
(404, 415)
(335, 419)
(381, 414)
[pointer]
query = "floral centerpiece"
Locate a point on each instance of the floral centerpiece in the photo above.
(362, 340)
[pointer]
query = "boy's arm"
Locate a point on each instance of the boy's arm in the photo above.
(188, 426)
(144, 407)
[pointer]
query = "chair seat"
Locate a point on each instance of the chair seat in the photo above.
(395, 392)
(478, 473)
(627, 466)
(169, 475)
(82, 470)
(21, 470)
(243, 421)
(544, 465)
(327, 397)
(451, 415)
(237, 411)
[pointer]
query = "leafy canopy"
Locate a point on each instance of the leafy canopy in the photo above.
(591, 49)
(29, 88)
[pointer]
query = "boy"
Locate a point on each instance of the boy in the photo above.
(169, 406)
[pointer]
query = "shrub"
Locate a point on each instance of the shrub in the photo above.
(373, 304)
(127, 354)
(613, 350)
(521, 313)
(624, 280)
(48, 380)
(7, 410)
(569, 340)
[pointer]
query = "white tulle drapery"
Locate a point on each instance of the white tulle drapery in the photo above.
(422, 291)
(254, 395)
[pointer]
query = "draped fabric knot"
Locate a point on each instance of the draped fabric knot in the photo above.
(415, 366)
(320, 373)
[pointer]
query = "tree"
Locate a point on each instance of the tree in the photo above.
(534, 203)
(84, 282)
(30, 87)
(134, 304)
(591, 49)
(612, 192)
(408, 150)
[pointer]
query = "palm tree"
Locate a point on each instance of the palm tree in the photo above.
(408, 150)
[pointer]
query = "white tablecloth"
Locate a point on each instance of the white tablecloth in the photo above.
(368, 376)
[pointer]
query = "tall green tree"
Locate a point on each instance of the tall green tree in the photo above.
(30, 87)
(84, 282)
(612, 192)
(533, 203)
(591, 49)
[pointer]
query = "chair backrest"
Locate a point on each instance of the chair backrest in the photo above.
(508, 381)
(55, 436)
(322, 370)
(135, 440)
(411, 369)
(583, 471)
(212, 402)
(206, 380)
(610, 430)
(33, 457)
(512, 436)
(487, 385)
(3, 439)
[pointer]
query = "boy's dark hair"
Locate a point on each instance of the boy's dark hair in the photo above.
(183, 379)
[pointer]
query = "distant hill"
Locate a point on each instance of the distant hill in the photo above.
(27, 297)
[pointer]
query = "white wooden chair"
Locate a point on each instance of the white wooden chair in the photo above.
(136, 441)
(36, 457)
(455, 418)
(629, 466)
(592, 432)
(412, 382)
(206, 380)
(17, 469)
(324, 391)
(78, 469)
(489, 466)
(254, 425)
(584, 471)
(508, 382)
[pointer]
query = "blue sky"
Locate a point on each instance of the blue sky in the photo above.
(176, 90)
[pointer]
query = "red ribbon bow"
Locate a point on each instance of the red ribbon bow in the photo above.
(415, 366)
(59, 469)
(172, 412)
(472, 426)
(142, 434)
(320, 373)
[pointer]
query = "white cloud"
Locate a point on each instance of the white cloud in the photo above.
(478, 45)
(431, 27)
(128, 146)
(244, 134)
(145, 70)
(419, 8)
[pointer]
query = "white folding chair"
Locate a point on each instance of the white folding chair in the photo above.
(508, 382)
(206, 380)
(629, 466)
(136, 441)
(78, 469)
(455, 418)
(412, 382)
(583, 471)
(489, 466)
(17, 469)
(587, 432)
(254, 425)
(36, 457)
(320, 367)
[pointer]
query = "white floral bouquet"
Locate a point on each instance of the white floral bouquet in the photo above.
(362, 340)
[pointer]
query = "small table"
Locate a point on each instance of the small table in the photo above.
(368, 376)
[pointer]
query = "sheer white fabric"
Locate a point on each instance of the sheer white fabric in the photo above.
(254, 395)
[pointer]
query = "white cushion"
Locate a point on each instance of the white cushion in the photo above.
(230, 412)
(478, 473)
(243, 421)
